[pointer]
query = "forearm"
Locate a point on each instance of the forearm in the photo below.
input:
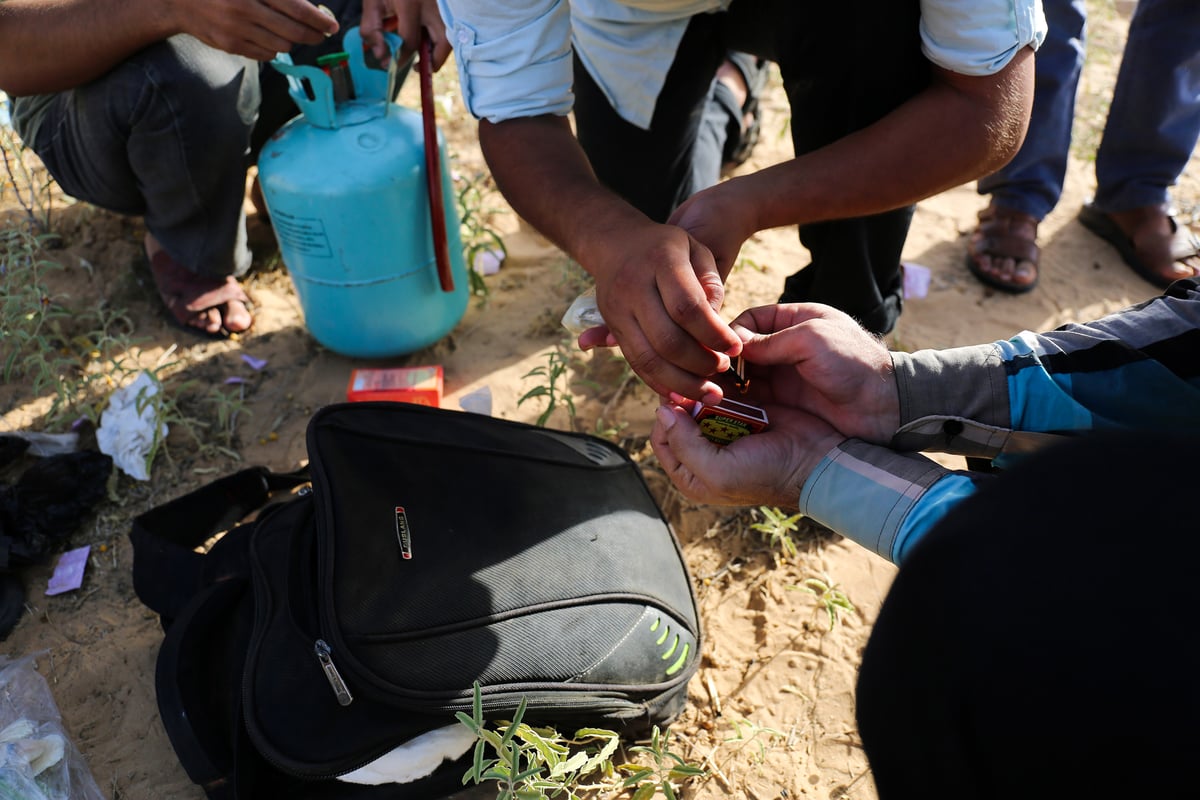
(51, 45)
(544, 175)
(1136, 368)
(958, 129)
(897, 497)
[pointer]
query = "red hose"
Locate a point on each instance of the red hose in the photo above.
(433, 170)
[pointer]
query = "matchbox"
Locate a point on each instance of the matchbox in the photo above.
(419, 385)
(729, 420)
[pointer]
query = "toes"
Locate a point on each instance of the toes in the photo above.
(207, 320)
(238, 318)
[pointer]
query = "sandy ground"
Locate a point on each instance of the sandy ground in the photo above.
(771, 711)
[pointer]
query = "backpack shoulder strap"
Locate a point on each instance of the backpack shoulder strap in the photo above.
(167, 566)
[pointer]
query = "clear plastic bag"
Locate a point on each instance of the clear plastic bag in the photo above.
(37, 759)
(583, 313)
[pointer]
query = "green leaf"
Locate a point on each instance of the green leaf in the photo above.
(572, 764)
(637, 777)
(537, 391)
(465, 720)
(644, 792)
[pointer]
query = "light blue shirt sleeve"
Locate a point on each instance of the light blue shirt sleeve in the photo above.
(979, 38)
(880, 499)
(513, 56)
(866, 493)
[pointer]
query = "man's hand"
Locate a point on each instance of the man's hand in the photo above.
(254, 28)
(657, 288)
(92, 36)
(767, 468)
(817, 359)
(409, 18)
(658, 291)
(721, 218)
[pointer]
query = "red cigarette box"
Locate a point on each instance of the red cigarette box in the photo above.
(729, 420)
(419, 385)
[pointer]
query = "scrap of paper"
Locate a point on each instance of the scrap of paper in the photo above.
(916, 279)
(68, 572)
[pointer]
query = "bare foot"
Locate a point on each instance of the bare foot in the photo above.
(215, 306)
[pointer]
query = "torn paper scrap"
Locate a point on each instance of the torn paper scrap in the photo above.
(916, 280)
(68, 572)
(487, 262)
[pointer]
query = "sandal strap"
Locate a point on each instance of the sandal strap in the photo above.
(995, 235)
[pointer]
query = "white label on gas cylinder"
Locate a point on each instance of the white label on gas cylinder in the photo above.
(302, 235)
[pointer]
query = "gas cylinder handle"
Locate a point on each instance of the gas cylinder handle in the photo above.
(317, 105)
(433, 170)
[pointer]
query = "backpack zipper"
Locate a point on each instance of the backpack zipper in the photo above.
(340, 690)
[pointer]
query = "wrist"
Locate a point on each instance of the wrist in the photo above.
(886, 402)
(598, 225)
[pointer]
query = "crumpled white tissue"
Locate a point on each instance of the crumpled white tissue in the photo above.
(416, 758)
(127, 434)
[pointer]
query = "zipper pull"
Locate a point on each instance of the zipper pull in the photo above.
(332, 675)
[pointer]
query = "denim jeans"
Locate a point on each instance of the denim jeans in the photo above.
(168, 135)
(1153, 121)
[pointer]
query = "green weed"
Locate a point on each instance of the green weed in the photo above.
(553, 388)
(749, 732)
(31, 185)
(831, 598)
(777, 528)
(666, 773)
(530, 763)
(478, 237)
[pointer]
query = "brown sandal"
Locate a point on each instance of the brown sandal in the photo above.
(1004, 235)
(188, 296)
(1148, 249)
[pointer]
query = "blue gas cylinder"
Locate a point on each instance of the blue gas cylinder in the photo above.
(345, 185)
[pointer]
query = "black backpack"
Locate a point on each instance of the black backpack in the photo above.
(432, 550)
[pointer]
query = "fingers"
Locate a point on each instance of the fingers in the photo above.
(682, 451)
(371, 26)
(675, 338)
(701, 320)
(658, 364)
(317, 19)
(598, 336)
(776, 317)
(261, 29)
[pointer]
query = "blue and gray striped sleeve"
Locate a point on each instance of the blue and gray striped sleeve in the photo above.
(1137, 368)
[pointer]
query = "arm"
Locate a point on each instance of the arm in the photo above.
(959, 128)
(883, 500)
(656, 287)
(1136, 368)
(52, 45)
(1139, 367)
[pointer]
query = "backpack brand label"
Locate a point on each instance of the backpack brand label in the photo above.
(403, 535)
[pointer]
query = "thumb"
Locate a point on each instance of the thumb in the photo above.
(683, 437)
(789, 346)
